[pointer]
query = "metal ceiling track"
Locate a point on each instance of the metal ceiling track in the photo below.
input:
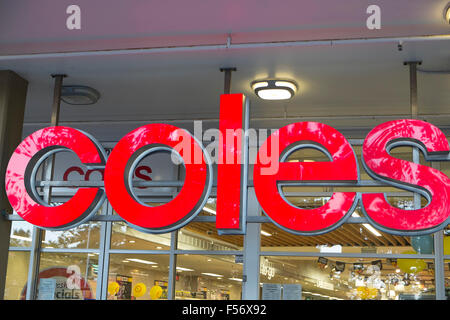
(228, 46)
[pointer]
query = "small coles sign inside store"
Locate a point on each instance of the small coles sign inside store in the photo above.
(270, 171)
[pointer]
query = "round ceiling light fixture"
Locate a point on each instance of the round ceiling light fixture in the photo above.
(79, 95)
(274, 89)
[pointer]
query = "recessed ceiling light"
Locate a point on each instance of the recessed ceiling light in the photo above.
(212, 274)
(367, 226)
(265, 233)
(184, 269)
(79, 95)
(274, 89)
(209, 210)
(235, 279)
(141, 261)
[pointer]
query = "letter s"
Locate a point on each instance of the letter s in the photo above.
(429, 182)
(139, 172)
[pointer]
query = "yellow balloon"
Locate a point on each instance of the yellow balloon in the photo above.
(372, 293)
(113, 288)
(155, 292)
(363, 292)
(139, 290)
(411, 265)
(447, 245)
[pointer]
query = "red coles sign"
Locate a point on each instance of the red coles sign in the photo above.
(271, 171)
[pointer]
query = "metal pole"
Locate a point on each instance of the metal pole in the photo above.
(227, 80)
(413, 87)
(251, 267)
(438, 236)
(103, 265)
(33, 268)
(439, 265)
(439, 272)
(172, 266)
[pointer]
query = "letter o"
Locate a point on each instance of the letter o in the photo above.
(122, 162)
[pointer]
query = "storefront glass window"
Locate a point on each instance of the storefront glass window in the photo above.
(348, 238)
(67, 276)
(138, 277)
(16, 275)
(126, 237)
(85, 236)
(21, 233)
(312, 278)
(208, 277)
(204, 235)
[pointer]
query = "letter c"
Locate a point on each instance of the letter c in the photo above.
(21, 172)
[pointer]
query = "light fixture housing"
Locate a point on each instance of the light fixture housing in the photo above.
(79, 95)
(274, 89)
(447, 13)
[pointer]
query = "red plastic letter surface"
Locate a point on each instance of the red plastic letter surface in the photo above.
(431, 183)
(341, 167)
(231, 169)
(22, 168)
(190, 199)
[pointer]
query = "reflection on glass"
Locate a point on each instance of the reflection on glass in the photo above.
(447, 242)
(138, 277)
(208, 278)
(204, 235)
(66, 276)
(85, 236)
(21, 234)
(126, 237)
(348, 278)
(348, 238)
(16, 274)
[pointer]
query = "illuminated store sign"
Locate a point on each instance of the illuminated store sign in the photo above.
(271, 171)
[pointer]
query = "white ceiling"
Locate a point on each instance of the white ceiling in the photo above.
(40, 26)
(349, 86)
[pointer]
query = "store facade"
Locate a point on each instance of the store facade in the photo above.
(236, 233)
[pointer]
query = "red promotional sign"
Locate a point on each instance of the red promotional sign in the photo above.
(61, 277)
(271, 172)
